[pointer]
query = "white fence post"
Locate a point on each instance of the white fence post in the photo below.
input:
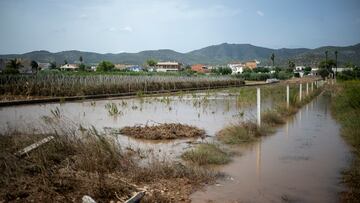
(287, 96)
(307, 89)
(312, 86)
(300, 92)
(258, 107)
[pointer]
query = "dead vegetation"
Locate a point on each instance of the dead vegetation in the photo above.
(207, 153)
(241, 133)
(163, 131)
(70, 166)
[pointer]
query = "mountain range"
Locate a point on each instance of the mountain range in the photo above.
(216, 54)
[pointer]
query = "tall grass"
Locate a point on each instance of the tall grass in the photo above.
(345, 106)
(206, 153)
(75, 164)
(79, 85)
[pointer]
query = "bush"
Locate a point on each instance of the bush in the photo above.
(105, 66)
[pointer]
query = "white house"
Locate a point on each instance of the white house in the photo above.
(168, 66)
(300, 68)
(236, 67)
(69, 67)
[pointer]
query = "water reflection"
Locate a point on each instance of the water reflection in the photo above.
(301, 162)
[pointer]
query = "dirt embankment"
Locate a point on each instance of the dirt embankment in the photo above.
(163, 131)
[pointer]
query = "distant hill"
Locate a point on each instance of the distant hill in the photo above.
(216, 54)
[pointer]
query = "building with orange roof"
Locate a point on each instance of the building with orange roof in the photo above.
(200, 68)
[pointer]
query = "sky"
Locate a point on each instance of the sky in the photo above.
(114, 26)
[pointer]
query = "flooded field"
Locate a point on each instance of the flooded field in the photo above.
(210, 111)
(302, 162)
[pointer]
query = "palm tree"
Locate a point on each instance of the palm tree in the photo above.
(336, 62)
(273, 59)
(13, 66)
(34, 66)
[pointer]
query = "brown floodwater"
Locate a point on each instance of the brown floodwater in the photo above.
(301, 162)
(210, 111)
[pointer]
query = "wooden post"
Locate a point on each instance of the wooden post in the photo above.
(258, 107)
(287, 96)
(300, 92)
(34, 146)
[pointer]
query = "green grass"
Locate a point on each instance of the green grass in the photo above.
(345, 106)
(204, 154)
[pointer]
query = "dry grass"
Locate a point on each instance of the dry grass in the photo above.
(71, 166)
(163, 131)
(241, 133)
(77, 85)
(204, 154)
(272, 117)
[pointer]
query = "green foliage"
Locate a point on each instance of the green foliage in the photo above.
(261, 70)
(346, 108)
(291, 66)
(105, 66)
(12, 67)
(222, 71)
(34, 66)
(307, 70)
(282, 75)
(272, 57)
(151, 62)
(254, 76)
(353, 74)
(53, 65)
(82, 67)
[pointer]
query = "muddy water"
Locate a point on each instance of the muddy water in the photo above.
(302, 162)
(209, 111)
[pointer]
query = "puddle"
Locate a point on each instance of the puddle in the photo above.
(302, 162)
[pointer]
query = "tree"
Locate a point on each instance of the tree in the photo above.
(65, 62)
(53, 65)
(336, 61)
(273, 59)
(34, 66)
(81, 59)
(82, 67)
(291, 66)
(325, 68)
(326, 55)
(307, 70)
(151, 62)
(105, 66)
(13, 66)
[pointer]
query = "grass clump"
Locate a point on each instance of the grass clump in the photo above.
(205, 154)
(241, 133)
(272, 117)
(345, 106)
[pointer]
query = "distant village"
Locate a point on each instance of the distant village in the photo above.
(235, 67)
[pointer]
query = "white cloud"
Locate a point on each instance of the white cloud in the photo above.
(83, 16)
(260, 13)
(127, 29)
(112, 29)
